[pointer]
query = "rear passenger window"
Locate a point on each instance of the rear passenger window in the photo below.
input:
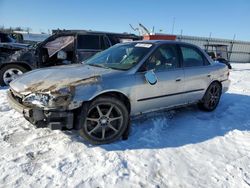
(191, 57)
(91, 42)
(165, 57)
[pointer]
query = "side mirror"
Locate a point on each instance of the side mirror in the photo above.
(151, 77)
(61, 55)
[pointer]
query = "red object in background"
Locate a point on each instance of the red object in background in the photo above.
(159, 37)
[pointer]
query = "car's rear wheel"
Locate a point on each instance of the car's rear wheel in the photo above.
(211, 98)
(9, 73)
(105, 120)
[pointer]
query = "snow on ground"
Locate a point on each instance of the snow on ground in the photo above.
(180, 148)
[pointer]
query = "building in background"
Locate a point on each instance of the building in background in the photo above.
(237, 51)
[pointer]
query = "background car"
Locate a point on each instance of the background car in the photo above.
(125, 80)
(9, 45)
(63, 47)
(218, 52)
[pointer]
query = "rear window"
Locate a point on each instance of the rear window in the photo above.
(92, 42)
(191, 57)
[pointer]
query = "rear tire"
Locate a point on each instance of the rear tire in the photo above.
(211, 98)
(104, 120)
(10, 72)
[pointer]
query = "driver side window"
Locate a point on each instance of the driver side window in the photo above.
(164, 58)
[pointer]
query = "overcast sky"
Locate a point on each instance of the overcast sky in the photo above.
(222, 18)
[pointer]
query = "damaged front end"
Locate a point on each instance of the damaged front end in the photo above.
(43, 110)
(53, 107)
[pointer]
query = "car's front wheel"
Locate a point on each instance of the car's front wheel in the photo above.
(104, 121)
(211, 98)
(9, 73)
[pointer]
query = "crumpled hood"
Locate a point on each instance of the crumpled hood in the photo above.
(54, 78)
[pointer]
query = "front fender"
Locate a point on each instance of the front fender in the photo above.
(86, 92)
(89, 92)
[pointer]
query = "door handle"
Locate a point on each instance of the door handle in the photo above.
(209, 75)
(178, 80)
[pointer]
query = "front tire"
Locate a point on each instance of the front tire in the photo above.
(104, 120)
(211, 98)
(10, 72)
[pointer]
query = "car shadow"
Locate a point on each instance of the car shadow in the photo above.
(184, 126)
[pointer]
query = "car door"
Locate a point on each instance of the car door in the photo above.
(167, 91)
(90, 44)
(197, 72)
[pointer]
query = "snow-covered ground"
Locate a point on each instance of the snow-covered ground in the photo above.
(181, 148)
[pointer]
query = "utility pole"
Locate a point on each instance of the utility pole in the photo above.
(173, 25)
(210, 35)
(231, 47)
(181, 35)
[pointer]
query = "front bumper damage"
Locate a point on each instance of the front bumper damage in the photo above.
(54, 119)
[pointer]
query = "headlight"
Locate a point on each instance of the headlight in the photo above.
(38, 99)
(60, 98)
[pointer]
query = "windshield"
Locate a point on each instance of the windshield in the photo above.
(120, 56)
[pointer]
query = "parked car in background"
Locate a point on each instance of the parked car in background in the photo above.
(218, 52)
(128, 79)
(28, 37)
(63, 47)
(9, 45)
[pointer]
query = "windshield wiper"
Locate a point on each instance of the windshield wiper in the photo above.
(98, 65)
(116, 68)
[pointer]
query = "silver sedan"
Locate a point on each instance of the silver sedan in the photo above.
(99, 96)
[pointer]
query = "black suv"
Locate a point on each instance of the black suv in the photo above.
(63, 47)
(8, 45)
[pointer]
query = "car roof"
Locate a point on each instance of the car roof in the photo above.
(73, 32)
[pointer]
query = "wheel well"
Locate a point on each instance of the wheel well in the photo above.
(26, 66)
(119, 96)
(216, 81)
